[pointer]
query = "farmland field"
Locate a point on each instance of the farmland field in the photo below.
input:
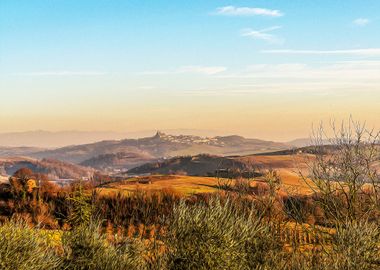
(288, 167)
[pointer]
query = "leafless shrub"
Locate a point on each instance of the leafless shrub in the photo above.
(343, 175)
(242, 185)
(268, 200)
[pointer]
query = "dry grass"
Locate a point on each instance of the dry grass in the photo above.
(189, 185)
(186, 185)
(298, 161)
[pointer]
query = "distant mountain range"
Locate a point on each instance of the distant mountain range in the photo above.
(125, 154)
(18, 151)
(129, 153)
(48, 139)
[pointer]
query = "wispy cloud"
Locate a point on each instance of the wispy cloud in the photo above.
(61, 73)
(248, 11)
(358, 52)
(263, 34)
(205, 70)
(361, 21)
(327, 79)
(342, 72)
(147, 87)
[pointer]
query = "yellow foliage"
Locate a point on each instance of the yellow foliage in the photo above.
(30, 185)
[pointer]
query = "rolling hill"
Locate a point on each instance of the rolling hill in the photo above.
(55, 169)
(199, 165)
(206, 165)
(140, 151)
(117, 161)
(6, 151)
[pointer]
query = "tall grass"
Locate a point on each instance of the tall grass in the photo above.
(24, 248)
(136, 208)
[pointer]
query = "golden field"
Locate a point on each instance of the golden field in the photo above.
(288, 167)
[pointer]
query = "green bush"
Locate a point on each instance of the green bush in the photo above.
(80, 207)
(86, 248)
(356, 246)
(23, 248)
(216, 236)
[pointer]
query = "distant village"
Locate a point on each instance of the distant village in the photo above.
(188, 139)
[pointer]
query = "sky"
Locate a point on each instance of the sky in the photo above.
(264, 69)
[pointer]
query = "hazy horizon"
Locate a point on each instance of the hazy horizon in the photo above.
(55, 139)
(260, 69)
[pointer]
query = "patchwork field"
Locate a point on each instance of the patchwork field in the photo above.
(288, 167)
(182, 184)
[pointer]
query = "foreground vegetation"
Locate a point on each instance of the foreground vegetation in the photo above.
(238, 227)
(212, 235)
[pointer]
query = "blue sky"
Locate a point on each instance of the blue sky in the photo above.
(188, 64)
(118, 35)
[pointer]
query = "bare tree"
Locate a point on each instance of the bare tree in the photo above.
(343, 175)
